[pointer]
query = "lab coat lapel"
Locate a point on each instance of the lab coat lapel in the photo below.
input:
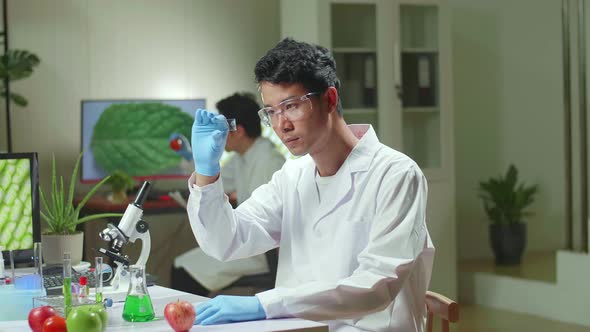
(342, 193)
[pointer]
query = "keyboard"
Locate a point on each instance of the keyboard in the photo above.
(53, 277)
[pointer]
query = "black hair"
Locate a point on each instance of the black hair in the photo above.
(244, 108)
(291, 61)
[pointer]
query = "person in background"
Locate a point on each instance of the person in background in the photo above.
(256, 159)
(349, 215)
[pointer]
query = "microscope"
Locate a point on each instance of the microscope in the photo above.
(130, 228)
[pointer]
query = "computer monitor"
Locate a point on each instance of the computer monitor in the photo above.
(20, 223)
(133, 136)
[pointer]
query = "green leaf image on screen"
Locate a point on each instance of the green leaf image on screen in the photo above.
(16, 221)
(134, 138)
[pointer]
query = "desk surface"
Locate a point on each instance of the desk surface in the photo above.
(161, 296)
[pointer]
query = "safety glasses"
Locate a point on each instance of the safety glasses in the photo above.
(292, 109)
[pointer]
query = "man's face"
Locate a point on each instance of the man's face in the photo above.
(305, 134)
(230, 143)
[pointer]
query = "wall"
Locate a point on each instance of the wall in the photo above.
(131, 49)
(508, 109)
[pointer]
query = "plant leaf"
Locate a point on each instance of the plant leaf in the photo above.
(134, 137)
(19, 100)
(89, 194)
(98, 216)
(17, 64)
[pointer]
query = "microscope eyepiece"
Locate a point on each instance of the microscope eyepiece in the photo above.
(143, 193)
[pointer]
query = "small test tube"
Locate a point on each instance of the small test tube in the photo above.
(2, 274)
(98, 279)
(67, 284)
(231, 123)
(11, 256)
(37, 257)
(83, 291)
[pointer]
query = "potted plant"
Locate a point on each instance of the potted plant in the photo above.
(120, 182)
(504, 201)
(62, 217)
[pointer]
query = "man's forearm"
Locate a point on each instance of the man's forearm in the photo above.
(203, 180)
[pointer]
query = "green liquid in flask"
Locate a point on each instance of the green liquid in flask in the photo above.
(138, 308)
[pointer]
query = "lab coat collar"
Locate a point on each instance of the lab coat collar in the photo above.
(362, 154)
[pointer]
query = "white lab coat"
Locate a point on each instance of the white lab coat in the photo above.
(242, 174)
(361, 262)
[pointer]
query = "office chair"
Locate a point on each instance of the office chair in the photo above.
(442, 307)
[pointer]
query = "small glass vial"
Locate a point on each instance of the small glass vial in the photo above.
(83, 291)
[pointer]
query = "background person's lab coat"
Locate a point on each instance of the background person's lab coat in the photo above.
(361, 261)
(241, 174)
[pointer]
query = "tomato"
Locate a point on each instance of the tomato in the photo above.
(83, 320)
(176, 144)
(180, 315)
(37, 317)
(55, 324)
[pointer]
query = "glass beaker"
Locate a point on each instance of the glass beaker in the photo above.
(138, 304)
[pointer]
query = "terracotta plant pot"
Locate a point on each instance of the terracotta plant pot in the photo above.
(54, 247)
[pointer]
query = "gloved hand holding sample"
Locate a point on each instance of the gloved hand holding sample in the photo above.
(227, 308)
(209, 134)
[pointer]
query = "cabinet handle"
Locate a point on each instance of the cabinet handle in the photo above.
(399, 91)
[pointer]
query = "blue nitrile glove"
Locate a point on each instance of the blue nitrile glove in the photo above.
(227, 309)
(208, 141)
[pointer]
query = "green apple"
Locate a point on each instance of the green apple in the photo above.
(83, 320)
(100, 310)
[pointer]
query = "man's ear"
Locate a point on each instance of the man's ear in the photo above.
(332, 98)
(240, 130)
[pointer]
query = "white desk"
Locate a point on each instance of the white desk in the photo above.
(161, 296)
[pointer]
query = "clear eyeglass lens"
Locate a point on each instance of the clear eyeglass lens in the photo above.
(290, 109)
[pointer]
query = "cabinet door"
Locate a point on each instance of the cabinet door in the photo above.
(419, 85)
(354, 45)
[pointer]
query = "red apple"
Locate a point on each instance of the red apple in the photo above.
(37, 317)
(180, 315)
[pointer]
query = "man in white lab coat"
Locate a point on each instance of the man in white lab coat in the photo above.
(348, 215)
(256, 159)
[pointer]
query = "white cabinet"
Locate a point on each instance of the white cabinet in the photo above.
(393, 58)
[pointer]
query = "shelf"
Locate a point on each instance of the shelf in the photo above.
(421, 110)
(354, 50)
(359, 111)
(419, 50)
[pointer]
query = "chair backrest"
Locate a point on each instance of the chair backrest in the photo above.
(442, 307)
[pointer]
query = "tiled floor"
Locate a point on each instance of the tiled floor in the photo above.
(539, 266)
(535, 266)
(482, 319)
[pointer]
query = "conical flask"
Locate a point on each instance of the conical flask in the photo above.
(138, 304)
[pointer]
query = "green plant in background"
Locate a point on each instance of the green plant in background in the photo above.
(59, 213)
(120, 181)
(16, 221)
(504, 199)
(135, 137)
(16, 65)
